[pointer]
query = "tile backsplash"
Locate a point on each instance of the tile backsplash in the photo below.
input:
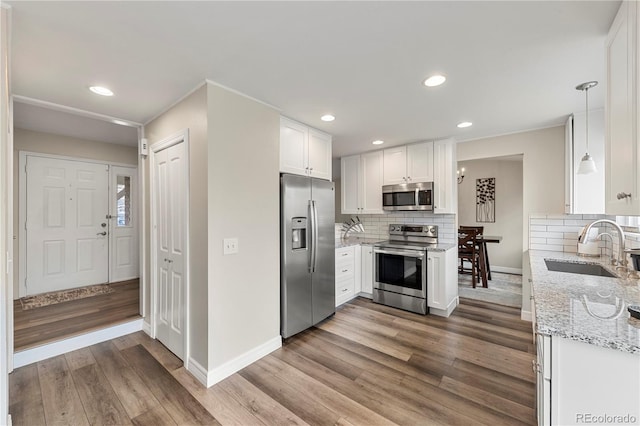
(377, 225)
(560, 232)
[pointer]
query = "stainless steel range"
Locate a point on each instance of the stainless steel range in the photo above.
(400, 267)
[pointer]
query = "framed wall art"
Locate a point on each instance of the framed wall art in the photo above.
(486, 200)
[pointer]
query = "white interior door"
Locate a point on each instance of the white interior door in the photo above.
(170, 199)
(66, 226)
(123, 241)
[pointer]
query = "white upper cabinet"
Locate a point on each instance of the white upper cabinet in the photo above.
(408, 163)
(621, 113)
(361, 183)
(304, 151)
(584, 194)
(445, 184)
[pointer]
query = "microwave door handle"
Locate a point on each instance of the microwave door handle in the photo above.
(417, 197)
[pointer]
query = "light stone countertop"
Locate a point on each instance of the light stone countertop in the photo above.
(352, 241)
(585, 308)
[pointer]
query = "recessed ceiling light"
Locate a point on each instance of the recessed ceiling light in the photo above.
(327, 117)
(465, 124)
(99, 90)
(434, 80)
(120, 122)
(378, 142)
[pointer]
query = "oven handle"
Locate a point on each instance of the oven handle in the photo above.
(416, 254)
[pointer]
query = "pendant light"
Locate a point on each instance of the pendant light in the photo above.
(587, 165)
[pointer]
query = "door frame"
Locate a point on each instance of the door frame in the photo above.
(22, 205)
(135, 216)
(181, 136)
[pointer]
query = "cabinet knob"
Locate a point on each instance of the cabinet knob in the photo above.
(408, 177)
(623, 195)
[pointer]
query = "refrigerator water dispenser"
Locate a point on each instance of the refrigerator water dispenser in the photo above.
(298, 233)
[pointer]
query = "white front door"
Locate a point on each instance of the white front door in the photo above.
(169, 206)
(123, 239)
(66, 225)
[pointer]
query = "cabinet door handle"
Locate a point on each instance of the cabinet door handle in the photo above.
(408, 177)
(345, 270)
(623, 195)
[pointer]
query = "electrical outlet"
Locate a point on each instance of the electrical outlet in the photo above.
(230, 245)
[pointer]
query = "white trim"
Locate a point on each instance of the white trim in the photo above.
(507, 270)
(515, 132)
(81, 159)
(29, 356)
(526, 316)
(146, 327)
(244, 95)
(238, 363)
(142, 233)
(181, 136)
(445, 312)
(70, 110)
(198, 371)
(133, 172)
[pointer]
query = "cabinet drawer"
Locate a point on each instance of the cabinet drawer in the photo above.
(345, 255)
(344, 271)
(344, 287)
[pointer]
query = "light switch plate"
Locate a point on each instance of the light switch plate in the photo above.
(230, 246)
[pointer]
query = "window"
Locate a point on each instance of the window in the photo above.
(123, 201)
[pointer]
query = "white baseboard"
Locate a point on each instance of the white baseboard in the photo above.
(445, 312)
(228, 368)
(506, 270)
(198, 371)
(29, 356)
(525, 316)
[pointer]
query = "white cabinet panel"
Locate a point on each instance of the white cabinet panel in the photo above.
(366, 271)
(442, 281)
(445, 188)
(303, 150)
(420, 162)
(361, 183)
(346, 274)
(395, 165)
(350, 182)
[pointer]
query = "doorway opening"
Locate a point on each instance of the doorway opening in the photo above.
(490, 199)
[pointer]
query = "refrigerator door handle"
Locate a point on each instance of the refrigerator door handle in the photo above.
(315, 236)
(312, 232)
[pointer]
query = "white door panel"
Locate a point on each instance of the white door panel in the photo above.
(169, 207)
(66, 205)
(124, 250)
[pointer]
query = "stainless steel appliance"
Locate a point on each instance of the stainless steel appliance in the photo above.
(307, 252)
(400, 267)
(408, 196)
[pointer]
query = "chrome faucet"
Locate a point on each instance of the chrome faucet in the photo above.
(621, 260)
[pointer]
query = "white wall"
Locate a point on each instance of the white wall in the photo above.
(542, 168)
(190, 113)
(507, 255)
(244, 194)
(46, 143)
(6, 325)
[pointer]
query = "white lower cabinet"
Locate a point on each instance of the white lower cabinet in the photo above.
(347, 273)
(442, 281)
(366, 271)
(580, 383)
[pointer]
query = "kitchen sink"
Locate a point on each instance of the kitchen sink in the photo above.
(578, 268)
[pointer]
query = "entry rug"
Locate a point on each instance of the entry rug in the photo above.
(46, 299)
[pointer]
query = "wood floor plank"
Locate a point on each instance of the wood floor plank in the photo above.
(79, 358)
(260, 404)
(178, 402)
(62, 405)
(130, 389)
(158, 350)
(154, 417)
(216, 400)
(26, 403)
(100, 402)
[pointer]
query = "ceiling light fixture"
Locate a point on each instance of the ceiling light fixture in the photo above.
(377, 142)
(327, 117)
(434, 80)
(587, 165)
(99, 90)
(465, 124)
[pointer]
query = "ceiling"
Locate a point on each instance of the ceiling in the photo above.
(510, 66)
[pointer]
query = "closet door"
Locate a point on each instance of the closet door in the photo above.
(169, 210)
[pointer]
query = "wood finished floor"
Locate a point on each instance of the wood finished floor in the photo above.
(34, 327)
(367, 365)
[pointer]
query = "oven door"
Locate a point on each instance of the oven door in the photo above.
(400, 271)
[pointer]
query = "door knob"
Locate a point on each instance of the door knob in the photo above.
(102, 233)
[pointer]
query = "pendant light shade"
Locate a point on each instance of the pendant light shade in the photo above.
(587, 165)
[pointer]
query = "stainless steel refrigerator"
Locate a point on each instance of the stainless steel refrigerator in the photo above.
(307, 252)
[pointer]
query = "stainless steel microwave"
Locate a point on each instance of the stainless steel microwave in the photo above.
(408, 196)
